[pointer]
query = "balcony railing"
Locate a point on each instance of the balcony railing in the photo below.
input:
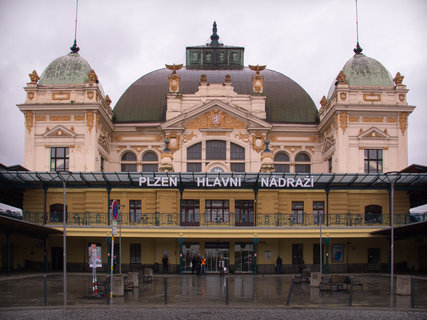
(273, 220)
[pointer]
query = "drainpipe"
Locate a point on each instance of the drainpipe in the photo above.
(45, 204)
(108, 204)
(255, 242)
(181, 242)
(327, 240)
(181, 191)
(327, 206)
(255, 205)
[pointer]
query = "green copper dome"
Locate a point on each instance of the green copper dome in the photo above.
(69, 69)
(363, 71)
(145, 99)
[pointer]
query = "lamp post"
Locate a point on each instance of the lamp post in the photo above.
(64, 219)
(392, 177)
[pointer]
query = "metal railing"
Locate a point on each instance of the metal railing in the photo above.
(273, 220)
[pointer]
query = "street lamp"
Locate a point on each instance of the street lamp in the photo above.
(392, 177)
(64, 176)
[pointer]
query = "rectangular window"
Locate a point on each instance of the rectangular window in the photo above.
(373, 160)
(134, 210)
(190, 212)
(281, 167)
(297, 253)
(128, 167)
(237, 167)
(194, 167)
(217, 211)
(244, 210)
(318, 211)
(135, 253)
(59, 158)
(149, 167)
(302, 168)
(298, 211)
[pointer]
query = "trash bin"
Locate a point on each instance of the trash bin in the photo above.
(134, 278)
(119, 285)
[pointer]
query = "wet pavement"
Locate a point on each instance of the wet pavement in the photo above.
(191, 291)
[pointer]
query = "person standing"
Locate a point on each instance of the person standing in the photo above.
(199, 265)
(279, 263)
(193, 264)
(165, 262)
(203, 264)
(221, 265)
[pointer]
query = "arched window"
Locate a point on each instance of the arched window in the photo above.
(373, 214)
(56, 212)
(281, 162)
(150, 162)
(194, 158)
(302, 163)
(216, 156)
(128, 162)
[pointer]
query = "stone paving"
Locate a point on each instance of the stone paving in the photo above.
(190, 296)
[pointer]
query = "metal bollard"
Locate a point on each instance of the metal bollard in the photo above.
(290, 292)
(412, 292)
(45, 289)
(350, 301)
(226, 291)
(166, 290)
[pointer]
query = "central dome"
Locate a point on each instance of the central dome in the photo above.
(145, 99)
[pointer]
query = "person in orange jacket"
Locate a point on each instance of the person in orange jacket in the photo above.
(203, 271)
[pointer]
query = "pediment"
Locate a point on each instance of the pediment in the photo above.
(328, 143)
(216, 115)
(373, 133)
(59, 132)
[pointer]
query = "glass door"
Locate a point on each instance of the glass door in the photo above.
(244, 253)
(213, 251)
(189, 250)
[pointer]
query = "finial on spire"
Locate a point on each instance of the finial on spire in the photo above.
(358, 49)
(214, 36)
(74, 48)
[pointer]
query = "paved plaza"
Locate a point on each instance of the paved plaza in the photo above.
(205, 297)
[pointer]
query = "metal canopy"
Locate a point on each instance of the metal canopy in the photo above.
(11, 225)
(191, 180)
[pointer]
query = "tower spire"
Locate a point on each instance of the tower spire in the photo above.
(214, 36)
(358, 49)
(74, 48)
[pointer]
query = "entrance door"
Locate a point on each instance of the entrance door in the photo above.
(316, 256)
(213, 250)
(57, 259)
(189, 250)
(244, 253)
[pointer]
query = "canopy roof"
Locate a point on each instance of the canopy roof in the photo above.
(189, 180)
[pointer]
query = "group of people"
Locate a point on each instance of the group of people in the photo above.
(198, 265)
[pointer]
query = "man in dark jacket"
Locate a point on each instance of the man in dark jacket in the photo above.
(279, 264)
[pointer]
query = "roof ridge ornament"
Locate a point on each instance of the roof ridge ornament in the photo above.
(214, 36)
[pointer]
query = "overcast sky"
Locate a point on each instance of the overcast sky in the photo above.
(309, 41)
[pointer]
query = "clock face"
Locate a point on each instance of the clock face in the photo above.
(217, 170)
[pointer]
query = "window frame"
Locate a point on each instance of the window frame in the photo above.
(54, 159)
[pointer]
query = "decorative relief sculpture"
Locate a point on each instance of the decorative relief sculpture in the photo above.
(174, 77)
(89, 120)
(34, 77)
(324, 101)
(227, 78)
(258, 142)
(341, 78)
(93, 78)
(403, 121)
(188, 137)
(242, 136)
(257, 79)
(29, 118)
(398, 79)
(215, 119)
(343, 121)
(203, 79)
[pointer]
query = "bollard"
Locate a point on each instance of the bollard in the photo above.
(290, 292)
(226, 291)
(412, 292)
(45, 289)
(350, 301)
(166, 290)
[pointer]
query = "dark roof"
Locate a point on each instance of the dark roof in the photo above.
(145, 99)
(415, 168)
(406, 231)
(13, 225)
